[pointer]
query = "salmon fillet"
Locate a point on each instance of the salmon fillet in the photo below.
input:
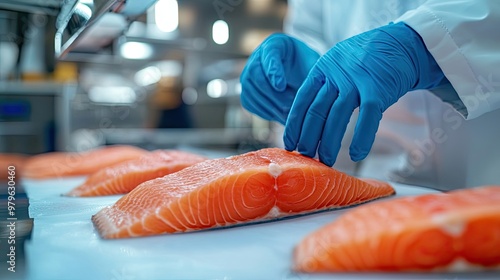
(256, 186)
(61, 164)
(13, 162)
(124, 177)
(456, 231)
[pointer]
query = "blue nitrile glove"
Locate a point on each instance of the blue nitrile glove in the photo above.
(370, 71)
(273, 74)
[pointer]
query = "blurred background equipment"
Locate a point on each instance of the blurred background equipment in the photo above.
(75, 74)
(34, 118)
(167, 107)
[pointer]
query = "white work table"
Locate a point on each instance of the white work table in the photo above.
(65, 245)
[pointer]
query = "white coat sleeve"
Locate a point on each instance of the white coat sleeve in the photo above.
(304, 21)
(463, 37)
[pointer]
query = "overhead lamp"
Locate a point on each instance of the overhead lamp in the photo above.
(167, 15)
(87, 2)
(112, 95)
(136, 50)
(220, 32)
(169, 68)
(147, 76)
(216, 88)
(238, 88)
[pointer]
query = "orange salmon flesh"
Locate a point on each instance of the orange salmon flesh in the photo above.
(124, 177)
(65, 164)
(256, 186)
(13, 163)
(456, 231)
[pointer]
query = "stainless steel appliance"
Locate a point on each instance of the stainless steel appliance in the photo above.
(34, 118)
(75, 18)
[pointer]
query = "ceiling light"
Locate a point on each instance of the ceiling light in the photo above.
(147, 76)
(112, 95)
(216, 88)
(237, 88)
(87, 2)
(169, 68)
(136, 50)
(167, 15)
(220, 32)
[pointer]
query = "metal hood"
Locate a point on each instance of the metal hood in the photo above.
(79, 21)
(91, 24)
(49, 7)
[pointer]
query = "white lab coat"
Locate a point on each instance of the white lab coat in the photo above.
(450, 144)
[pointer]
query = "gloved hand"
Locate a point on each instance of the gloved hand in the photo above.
(370, 71)
(273, 74)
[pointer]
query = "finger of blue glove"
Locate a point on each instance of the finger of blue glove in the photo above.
(336, 125)
(303, 100)
(273, 66)
(315, 119)
(369, 118)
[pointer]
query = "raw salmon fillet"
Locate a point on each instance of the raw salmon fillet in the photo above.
(124, 177)
(256, 186)
(61, 164)
(456, 231)
(16, 161)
